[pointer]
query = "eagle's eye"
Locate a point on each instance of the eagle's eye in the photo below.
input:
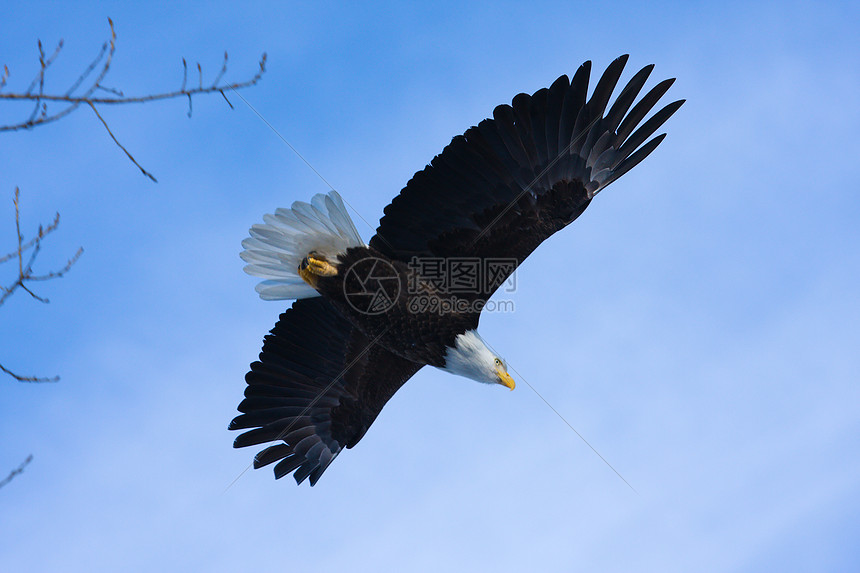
(498, 362)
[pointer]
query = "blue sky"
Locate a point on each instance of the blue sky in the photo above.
(698, 325)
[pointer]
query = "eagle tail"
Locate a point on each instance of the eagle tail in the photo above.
(277, 247)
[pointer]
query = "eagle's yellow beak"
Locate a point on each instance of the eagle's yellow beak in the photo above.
(505, 379)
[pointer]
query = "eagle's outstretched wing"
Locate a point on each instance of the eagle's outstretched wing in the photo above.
(506, 185)
(317, 388)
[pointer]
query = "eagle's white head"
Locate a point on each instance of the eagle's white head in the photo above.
(471, 357)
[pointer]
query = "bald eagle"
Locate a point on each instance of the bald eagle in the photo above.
(367, 317)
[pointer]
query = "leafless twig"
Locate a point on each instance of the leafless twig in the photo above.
(69, 102)
(20, 378)
(26, 253)
(16, 471)
(121, 146)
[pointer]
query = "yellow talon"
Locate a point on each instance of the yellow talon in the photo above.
(314, 266)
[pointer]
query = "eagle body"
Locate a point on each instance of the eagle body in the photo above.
(367, 317)
(398, 324)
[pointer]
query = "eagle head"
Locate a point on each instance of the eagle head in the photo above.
(471, 357)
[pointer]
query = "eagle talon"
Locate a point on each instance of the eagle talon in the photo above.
(314, 266)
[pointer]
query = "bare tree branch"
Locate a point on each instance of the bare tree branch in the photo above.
(20, 378)
(45, 118)
(25, 272)
(115, 140)
(41, 116)
(16, 471)
(73, 98)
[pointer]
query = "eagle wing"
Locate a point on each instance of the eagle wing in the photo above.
(318, 386)
(506, 185)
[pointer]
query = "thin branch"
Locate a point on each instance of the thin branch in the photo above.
(34, 379)
(87, 71)
(108, 61)
(183, 92)
(42, 232)
(45, 118)
(40, 79)
(112, 91)
(58, 274)
(41, 115)
(25, 272)
(44, 63)
(227, 100)
(17, 470)
(222, 72)
(120, 145)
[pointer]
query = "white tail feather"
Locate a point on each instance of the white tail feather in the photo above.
(275, 248)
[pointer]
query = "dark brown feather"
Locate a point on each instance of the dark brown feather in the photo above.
(319, 385)
(506, 185)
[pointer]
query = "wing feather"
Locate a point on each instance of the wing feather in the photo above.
(510, 182)
(318, 386)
